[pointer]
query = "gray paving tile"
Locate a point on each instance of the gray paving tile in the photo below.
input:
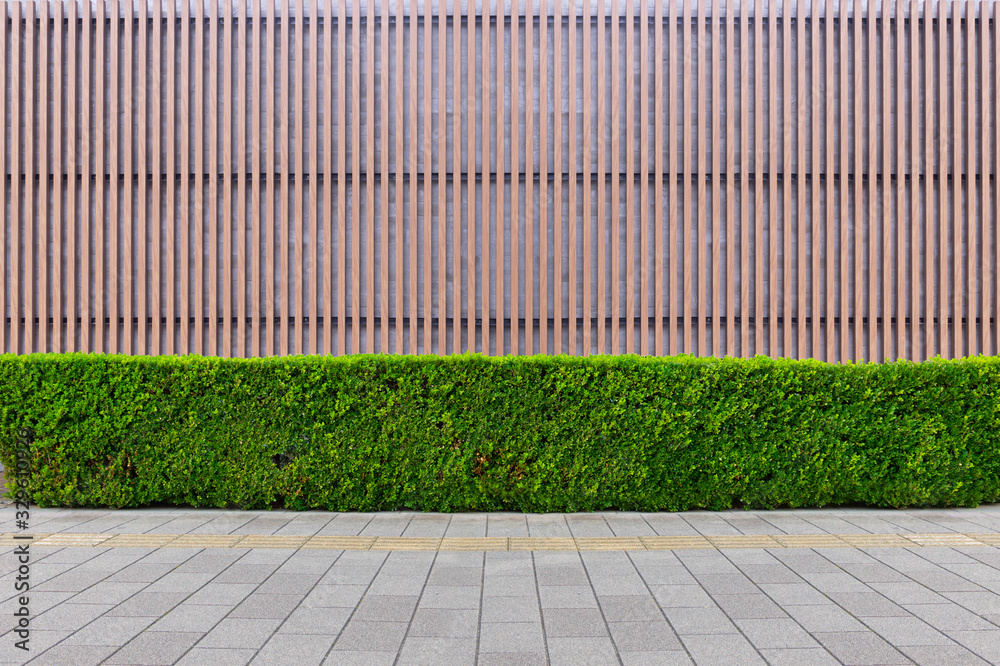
(900, 631)
(344, 574)
(510, 637)
(867, 604)
(40, 641)
(246, 573)
(326, 621)
(794, 594)
(730, 649)
(981, 603)
(509, 586)
(775, 633)
(949, 617)
(644, 636)
(454, 576)
(289, 583)
(386, 608)
(859, 648)
(571, 622)
(986, 644)
(656, 658)
(908, 593)
(191, 617)
(222, 593)
(537, 658)
(629, 608)
(148, 604)
(827, 617)
(396, 585)
(200, 656)
(445, 623)
(105, 593)
(371, 636)
(582, 651)
(334, 596)
(116, 631)
(75, 655)
(561, 575)
(727, 584)
(266, 606)
(451, 597)
(748, 606)
(434, 651)
(666, 575)
(769, 573)
(799, 657)
(293, 650)
(240, 633)
(681, 596)
(153, 648)
(689, 621)
(567, 596)
(511, 609)
(935, 655)
(630, 584)
(68, 616)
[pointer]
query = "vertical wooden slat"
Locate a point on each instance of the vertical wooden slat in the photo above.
(186, 185)
(959, 149)
(901, 165)
(972, 158)
(688, 167)
(370, 165)
(758, 177)
(484, 169)
(412, 155)
(16, 171)
(829, 118)
(644, 139)
(86, 131)
(885, 219)
(428, 166)
(872, 278)
(720, 213)
(529, 182)
(470, 180)
(602, 170)
(787, 171)
(845, 220)
(199, 111)
(157, 219)
(558, 168)
(498, 168)
(258, 187)
(573, 221)
(72, 166)
(816, 245)
(11, 171)
(745, 135)
(515, 178)
(315, 76)
(356, 180)
(98, 218)
(615, 219)
(930, 168)
(659, 125)
(986, 240)
(944, 129)
(773, 144)
(213, 193)
(270, 188)
(247, 183)
(43, 178)
(59, 169)
(342, 188)
(858, 237)
(456, 182)
(400, 186)
(631, 218)
(702, 171)
(543, 180)
(298, 185)
(170, 218)
(995, 287)
(802, 98)
(442, 244)
(30, 213)
(673, 91)
(732, 16)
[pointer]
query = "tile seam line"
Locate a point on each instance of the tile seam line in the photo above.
(600, 607)
(541, 612)
(861, 620)
(64, 601)
(72, 633)
(952, 600)
(658, 606)
(355, 609)
(299, 604)
(787, 614)
(409, 625)
(235, 606)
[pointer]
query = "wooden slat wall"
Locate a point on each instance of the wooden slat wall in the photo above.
(801, 178)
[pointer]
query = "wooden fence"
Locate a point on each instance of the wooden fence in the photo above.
(795, 178)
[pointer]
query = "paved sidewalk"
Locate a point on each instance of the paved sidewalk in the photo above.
(165, 586)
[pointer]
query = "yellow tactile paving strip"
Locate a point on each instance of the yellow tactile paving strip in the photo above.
(68, 539)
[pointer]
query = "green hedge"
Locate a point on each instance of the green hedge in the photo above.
(527, 434)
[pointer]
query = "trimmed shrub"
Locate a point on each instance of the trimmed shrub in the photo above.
(473, 433)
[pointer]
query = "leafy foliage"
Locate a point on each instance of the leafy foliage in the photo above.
(472, 433)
